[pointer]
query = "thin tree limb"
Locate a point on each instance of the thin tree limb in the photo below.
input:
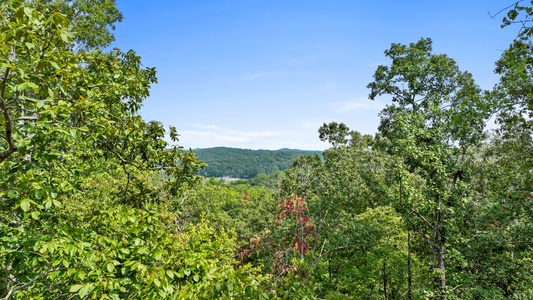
(26, 284)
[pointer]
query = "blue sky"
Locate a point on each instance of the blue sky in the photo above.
(267, 74)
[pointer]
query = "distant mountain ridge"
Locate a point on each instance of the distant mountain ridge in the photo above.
(246, 163)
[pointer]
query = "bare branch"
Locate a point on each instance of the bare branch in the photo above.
(321, 252)
(421, 217)
(492, 16)
(27, 284)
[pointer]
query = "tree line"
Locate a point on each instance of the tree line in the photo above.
(245, 163)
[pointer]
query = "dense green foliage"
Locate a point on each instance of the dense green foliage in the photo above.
(89, 192)
(95, 204)
(245, 163)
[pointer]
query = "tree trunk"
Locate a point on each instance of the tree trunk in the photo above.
(441, 279)
(385, 278)
(409, 274)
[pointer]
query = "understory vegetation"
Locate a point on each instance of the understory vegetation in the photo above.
(96, 204)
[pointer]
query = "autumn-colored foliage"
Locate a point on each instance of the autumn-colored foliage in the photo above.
(304, 229)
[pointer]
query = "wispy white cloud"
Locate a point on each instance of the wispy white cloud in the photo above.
(233, 132)
(257, 75)
(205, 127)
(356, 104)
(202, 136)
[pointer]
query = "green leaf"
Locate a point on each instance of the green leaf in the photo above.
(38, 194)
(81, 275)
(27, 11)
(54, 64)
(180, 273)
(85, 290)
(25, 204)
(35, 214)
(140, 266)
(134, 265)
(21, 87)
(75, 288)
(32, 85)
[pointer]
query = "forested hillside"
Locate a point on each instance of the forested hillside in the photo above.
(96, 204)
(245, 163)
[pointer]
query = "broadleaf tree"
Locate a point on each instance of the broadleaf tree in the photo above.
(437, 115)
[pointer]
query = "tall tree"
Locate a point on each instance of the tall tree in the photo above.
(436, 116)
